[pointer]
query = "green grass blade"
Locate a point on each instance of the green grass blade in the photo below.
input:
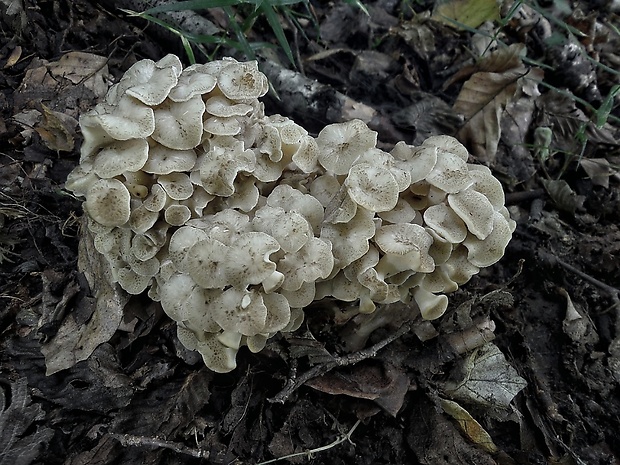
(274, 22)
(192, 5)
(245, 45)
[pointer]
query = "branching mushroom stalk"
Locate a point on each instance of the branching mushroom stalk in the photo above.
(235, 221)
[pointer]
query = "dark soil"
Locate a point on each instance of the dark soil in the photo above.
(141, 399)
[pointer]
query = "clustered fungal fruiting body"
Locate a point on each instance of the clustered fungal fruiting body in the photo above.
(235, 221)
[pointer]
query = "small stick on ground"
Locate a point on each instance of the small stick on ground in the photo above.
(293, 384)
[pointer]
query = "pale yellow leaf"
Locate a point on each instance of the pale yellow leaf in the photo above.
(469, 426)
(469, 13)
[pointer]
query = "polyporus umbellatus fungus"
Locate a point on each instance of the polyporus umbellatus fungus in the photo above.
(235, 221)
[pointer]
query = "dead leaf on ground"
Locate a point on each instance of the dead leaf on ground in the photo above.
(598, 170)
(382, 383)
(76, 341)
(57, 130)
(563, 196)
(488, 381)
(482, 101)
(469, 426)
(469, 13)
(20, 440)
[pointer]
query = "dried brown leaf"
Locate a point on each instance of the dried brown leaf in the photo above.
(482, 101)
(563, 196)
(75, 341)
(469, 426)
(497, 62)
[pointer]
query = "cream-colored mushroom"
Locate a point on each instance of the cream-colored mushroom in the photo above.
(114, 159)
(372, 187)
(242, 81)
(340, 144)
(178, 125)
(107, 202)
(164, 160)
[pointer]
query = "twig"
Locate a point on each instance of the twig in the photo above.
(143, 441)
(293, 384)
(340, 440)
(612, 291)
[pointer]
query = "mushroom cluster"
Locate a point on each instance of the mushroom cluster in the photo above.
(235, 221)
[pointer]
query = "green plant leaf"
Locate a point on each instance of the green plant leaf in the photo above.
(605, 109)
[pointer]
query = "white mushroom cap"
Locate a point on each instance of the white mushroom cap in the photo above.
(132, 282)
(246, 194)
(218, 105)
(324, 188)
(155, 201)
(222, 126)
(458, 267)
(242, 81)
(406, 247)
(312, 262)
(180, 242)
(220, 166)
(141, 219)
(441, 249)
(107, 202)
(206, 263)
(290, 229)
(163, 160)
(290, 199)
(143, 247)
(177, 215)
(447, 144)
(431, 306)
(438, 281)
(402, 212)
(307, 155)
(177, 185)
(368, 260)
(156, 89)
(216, 356)
(266, 170)
(475, 210)
(194, 80)
(81, 178)
(372, 187)
(341, 208)
(240, 311)
(178, 125)
(247, 259)
(270, 143)
(377, 287)
(417, 161)
(225, 226)
(488, 185)
(129, 119)
(273, 282)
(445, 222)
(379, 158)
(486, 252)
(300, 298)
(350, 240)
(340, 144)
(278, 312)
(450, 173)
(116, 158)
